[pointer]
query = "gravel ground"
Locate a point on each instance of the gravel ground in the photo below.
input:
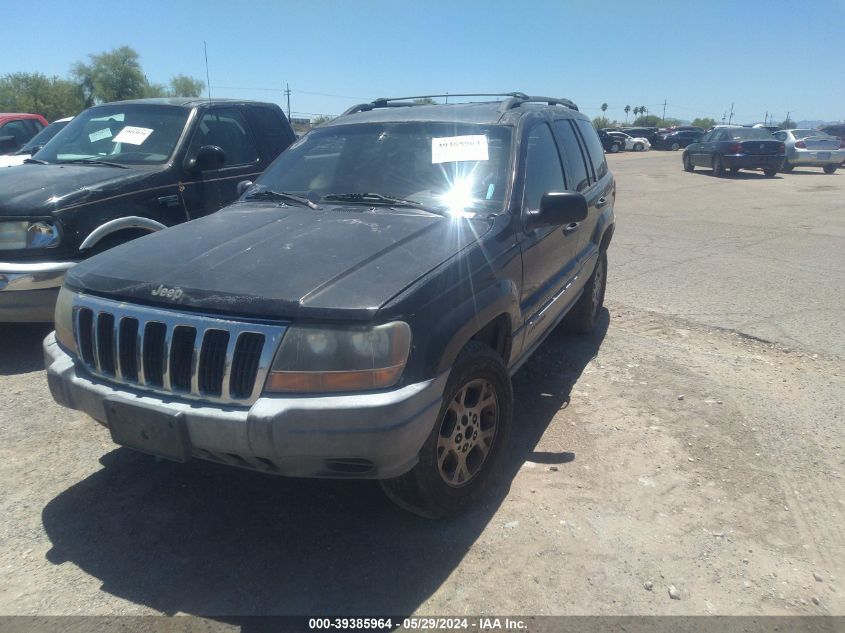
(663, 465)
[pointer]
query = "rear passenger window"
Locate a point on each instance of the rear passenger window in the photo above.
(594, 148)
(543, 173)
(575, 161)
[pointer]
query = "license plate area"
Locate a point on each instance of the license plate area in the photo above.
(823, 155)
(149, 430)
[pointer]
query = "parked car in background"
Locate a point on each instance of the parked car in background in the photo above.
(811, 148)
(17, 128)
(770, 128)
(638, 144)
(34, 144)
(835, 129)
(610, 143)
(650, 133)
(734, 148)
(678, 140)
(119, 171)
(360, 311)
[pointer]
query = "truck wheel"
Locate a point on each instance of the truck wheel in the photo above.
(467, 442)
(829, 169)
(688, 166)
(718, 169)
(787, 167)
(770, 173)
(584, 315)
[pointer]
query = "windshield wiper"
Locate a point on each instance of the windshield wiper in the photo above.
(377, 198)
(92, 161)
(35, 161)
(269, 194)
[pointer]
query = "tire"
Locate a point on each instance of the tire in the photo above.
(718, 169)
(584, 315)
(433, 488)
(786, 168)
(675, 147)
(614, 148)
(734, 171)
(688, 166)
(638, 147)
(830, 169)
(770, 173)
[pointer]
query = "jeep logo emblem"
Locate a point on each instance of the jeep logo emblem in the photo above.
(168, 293)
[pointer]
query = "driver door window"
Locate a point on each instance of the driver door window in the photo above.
(543, 172)
(227, 129)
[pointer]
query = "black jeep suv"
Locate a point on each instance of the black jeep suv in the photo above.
(360, 310)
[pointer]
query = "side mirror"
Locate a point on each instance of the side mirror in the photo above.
(243, 185)
(208, 157)
(8, 144)
(35, 149)
(557, 209)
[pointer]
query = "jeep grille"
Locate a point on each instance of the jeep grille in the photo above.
(184, 354)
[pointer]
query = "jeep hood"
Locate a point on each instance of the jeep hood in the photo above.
(33, 190)
(275, 262)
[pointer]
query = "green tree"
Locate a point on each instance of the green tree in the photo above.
(627, 110)
(425, 101)
(319, 120)
(52, 97)
(704, 122)
(601, 122)
(184, 86)
(787, 124)
(647, 120)
(111, 76)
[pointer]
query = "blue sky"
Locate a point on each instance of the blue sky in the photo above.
(774, 56)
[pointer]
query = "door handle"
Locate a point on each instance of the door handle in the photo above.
(601, 202)
(169, 201)
(570, 228)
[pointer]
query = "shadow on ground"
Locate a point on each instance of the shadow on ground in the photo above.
(738, 175)
(209, 540)
(20, 347)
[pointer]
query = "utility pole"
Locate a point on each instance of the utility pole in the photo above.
(664, 110)
(787, 118)
(287, 94)
(724, 116)
(732, 114)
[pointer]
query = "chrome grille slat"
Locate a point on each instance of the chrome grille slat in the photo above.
(183, 354)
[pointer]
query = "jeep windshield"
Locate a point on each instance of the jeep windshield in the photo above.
(454, 169)
(127, 134)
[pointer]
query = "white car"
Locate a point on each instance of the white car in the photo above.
(633, 143)
(35, 143)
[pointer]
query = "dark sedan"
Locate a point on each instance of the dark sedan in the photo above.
(736, 148)
(678, 139)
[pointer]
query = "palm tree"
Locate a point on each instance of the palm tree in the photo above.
(643, 110)
(627, 110)
(603, 108)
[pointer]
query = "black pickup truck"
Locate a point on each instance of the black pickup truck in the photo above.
(359, 311)
(119, 171)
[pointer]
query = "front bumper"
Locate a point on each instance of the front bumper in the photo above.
(372, 436)
(752, 161)
(28, 291)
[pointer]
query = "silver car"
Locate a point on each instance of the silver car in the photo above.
(811, 148)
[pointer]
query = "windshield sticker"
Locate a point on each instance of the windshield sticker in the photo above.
(99, 135)
(133, 135)
(451, 149)
(490, 189)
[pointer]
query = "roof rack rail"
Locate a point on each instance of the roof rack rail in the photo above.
(396, 102)
(519, 99)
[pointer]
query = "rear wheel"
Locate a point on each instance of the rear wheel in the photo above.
(466, 443)
(688, 166)
(787, 167)
(584, 315)
(675, 147)
(718, 168)
(829, 169)
(770, 173)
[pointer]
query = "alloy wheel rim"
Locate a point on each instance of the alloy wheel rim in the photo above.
(467, 433)
(597, 286)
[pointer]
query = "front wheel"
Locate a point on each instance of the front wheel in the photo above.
(638, 147)
(830, 169)
(688, 166)
(675, 147)
(787, 167)
(614, 148)
(467, 441)
(584, 315)
(770, 173)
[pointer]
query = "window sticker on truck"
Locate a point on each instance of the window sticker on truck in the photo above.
(452, 149)
(99, 135)
(133, 135)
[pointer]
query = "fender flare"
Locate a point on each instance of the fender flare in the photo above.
(120, 224)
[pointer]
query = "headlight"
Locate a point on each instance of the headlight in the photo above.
(64, 320)
(26, 234)
(324, 359)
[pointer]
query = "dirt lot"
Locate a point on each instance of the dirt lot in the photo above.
(665, 450)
